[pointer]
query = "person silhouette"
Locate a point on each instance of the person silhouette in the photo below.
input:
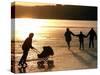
(25, 47)
(68, 37)
(92, 35)
(81, 40)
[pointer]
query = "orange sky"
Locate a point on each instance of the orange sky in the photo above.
(31, 3)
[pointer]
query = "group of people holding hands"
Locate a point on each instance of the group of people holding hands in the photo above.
(92, 35)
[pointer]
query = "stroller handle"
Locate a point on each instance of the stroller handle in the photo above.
(35, 50)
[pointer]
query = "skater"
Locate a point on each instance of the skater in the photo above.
(81, 40)
(25, 47)
(92, 35)
(68, 37)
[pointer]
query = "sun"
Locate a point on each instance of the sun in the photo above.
(25, 26)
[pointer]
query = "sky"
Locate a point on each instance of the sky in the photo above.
(31, 3)
(77, 2)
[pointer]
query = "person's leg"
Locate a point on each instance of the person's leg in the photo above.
(21, 60)
(80, 45)
(68, 43)
(25, 57)
(83, 44)
(90, 43)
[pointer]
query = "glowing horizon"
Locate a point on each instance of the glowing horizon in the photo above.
(37, 26)
(24, 27)
(31, 3)
(64, 2)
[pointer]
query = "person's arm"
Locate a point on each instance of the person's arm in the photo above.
(30, 43)
(95, 36)
(73, 34)
(32, 47)
(88, 34)
(84, 36)
(76, 35)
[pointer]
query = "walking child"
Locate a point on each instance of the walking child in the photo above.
(81, 40)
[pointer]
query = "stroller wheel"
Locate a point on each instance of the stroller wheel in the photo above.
(40, 64)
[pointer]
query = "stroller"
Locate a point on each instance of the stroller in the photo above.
(44, 57)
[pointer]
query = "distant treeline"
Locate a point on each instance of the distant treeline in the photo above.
(55, 12)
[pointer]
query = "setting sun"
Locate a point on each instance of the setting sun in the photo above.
(25, 26)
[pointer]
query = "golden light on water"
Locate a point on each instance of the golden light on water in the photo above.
(25, 26)
(44, 28)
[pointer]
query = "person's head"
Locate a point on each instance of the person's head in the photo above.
(91, 28)
(67, 29)
(31, 35)
(80, 32)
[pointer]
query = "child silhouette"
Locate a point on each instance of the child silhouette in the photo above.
(81, 39)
